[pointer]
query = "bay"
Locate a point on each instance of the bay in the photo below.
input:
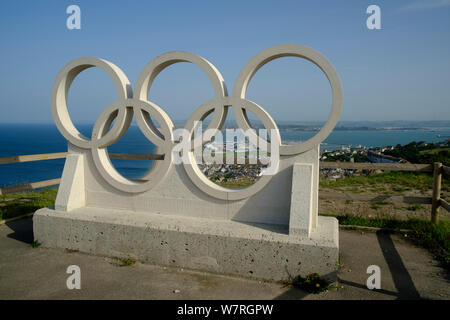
(23, 139)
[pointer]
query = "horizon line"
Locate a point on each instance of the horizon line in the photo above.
(300, 121)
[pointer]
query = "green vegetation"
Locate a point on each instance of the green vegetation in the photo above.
(434, 151)
(388, 182)
(420, 152)
(436, 238)
(399, 181)
(126, 261)
(13, 205)
(385, 223)
(35, 244)
(345, 157)
(312, 283)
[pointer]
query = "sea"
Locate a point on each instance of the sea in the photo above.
(25, 139)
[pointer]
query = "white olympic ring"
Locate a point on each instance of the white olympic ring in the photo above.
(144, 110)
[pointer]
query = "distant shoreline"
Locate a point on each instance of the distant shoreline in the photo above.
(307, 126)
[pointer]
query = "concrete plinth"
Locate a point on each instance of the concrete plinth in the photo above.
(220, 246)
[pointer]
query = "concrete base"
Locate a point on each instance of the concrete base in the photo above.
(290, 198)
(220, 246)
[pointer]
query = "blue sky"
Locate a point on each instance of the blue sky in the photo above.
(401, 72)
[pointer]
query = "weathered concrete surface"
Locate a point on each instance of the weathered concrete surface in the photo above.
(220, 246)
(40, 273)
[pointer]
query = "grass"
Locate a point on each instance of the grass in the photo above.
(35, 244)
(126, 261)
(434, 151)
(400, 181)
(13, 205)
(435, 238)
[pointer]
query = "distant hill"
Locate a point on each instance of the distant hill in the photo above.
(344, 125)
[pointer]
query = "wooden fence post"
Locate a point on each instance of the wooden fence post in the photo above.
(437, 178)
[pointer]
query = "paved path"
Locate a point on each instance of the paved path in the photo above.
(408, 272)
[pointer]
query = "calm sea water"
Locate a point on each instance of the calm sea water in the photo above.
(22, 139)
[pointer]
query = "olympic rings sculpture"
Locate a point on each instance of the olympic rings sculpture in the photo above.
(139, 105)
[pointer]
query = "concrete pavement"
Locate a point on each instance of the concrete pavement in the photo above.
(407, 272)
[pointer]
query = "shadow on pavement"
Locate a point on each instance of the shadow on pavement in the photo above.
(358, 285)
(22, 230)
(296, 294)
(406, 290)
(400, 275)
(292, 294)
